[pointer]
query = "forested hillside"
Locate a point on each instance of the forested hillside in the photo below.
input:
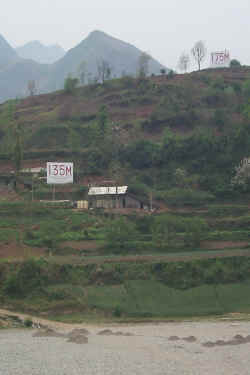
(174, 139)
(179, 136)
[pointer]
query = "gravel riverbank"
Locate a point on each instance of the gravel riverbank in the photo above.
(186, 348)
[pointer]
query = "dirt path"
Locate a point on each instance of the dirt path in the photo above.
(45, 322)
(171, 257)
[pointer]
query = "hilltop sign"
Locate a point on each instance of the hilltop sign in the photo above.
(220, 59)
(60, 173)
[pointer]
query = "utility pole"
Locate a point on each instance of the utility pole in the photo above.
(53, 192)
(151, 200)
(32, 189)
(116, 195)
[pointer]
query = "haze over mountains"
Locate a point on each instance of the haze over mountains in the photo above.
(7, 54)
(36, 51)
(16, 71)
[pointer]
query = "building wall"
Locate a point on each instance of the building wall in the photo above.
(132, 203)
(111, 201)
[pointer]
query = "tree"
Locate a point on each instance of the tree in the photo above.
(70, 84)
(143, 64)
(120, 235)
(195, 231)
(32, 87)
(242, 174)
(163, 71)
(220, 118)
(18, 150)
(235, 63)
(246, 88)
(180, 176)
(74, 143)
(164, 230)
(199, 52)
(102, 119)
(50, 236)
(171, 74)
(82, 72)
(184, 62)
(104, 70)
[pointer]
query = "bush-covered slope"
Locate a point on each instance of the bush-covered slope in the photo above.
(177, 135)
(85, 61)
(124, 290)
(122, 58)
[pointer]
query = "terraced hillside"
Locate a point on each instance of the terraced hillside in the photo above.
(195, 124)
(175, 140)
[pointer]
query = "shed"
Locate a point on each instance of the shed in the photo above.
(113, 197)
(33, 171)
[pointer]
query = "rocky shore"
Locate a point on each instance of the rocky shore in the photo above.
(187, 348)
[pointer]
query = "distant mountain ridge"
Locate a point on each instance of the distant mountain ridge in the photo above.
(121, 56)
(16, 72)
(40, 53)
(7, 54)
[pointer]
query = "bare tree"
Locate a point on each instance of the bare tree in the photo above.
(242, 174)
(184, 62)
(82, 72)
(199, 52)
(31, 87)
(104, 70)
(143, 62)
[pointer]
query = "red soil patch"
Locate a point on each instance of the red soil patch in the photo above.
(81, 245)
(224, 245)
(9, 196)
(19, 252)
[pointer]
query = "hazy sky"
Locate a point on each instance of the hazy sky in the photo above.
(163, 28)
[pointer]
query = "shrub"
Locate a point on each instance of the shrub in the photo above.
(164, 230)
(140, 154)
(127, 82)
(246, 88)
(215, 97)
(70, 85)
(220, 118)
(235, 63)
(28, 323)
(171, 74)
(139, 189)
(12, 286)
(195, 231)
(117, 312)
(219, 83)
(120, 235)
(29, 275)
(186, 197)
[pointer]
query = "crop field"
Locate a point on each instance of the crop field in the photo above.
(70, 265)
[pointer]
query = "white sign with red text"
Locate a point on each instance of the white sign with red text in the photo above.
(59, 173)
(220, 59)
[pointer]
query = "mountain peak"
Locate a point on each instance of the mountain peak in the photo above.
(40, 53)
(97, 35)
(34, 43)
(4, 43)
(7, 53)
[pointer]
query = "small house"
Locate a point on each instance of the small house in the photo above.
(33, 171)
(113, 197)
